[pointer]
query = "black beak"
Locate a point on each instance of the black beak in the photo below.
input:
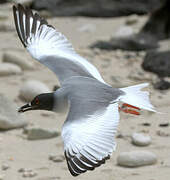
(25, 108)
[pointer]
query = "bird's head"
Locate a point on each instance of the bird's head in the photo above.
(41, 102)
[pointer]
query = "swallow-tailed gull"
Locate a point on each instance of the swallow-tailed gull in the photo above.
(89, 130)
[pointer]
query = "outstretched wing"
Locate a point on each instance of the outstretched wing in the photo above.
(50, 47)
(89, 130)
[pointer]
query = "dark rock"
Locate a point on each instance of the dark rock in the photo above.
(156, 28)
(146, 124)
(3, 1)
(96, 8)
(162, 85)
(137, 42)
(158, 25)
(164, 124)
(157, 62)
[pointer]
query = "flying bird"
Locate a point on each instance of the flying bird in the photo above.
(89, 130)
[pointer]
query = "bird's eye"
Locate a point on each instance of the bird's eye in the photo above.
(37, 101)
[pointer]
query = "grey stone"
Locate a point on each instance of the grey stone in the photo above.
(56, 158)
(37, 133)
(124, 31)
(7, 69)
(19, 58)
(136, 158)
(140, 139)
(132, 19)
(32, 88)
(4, 167)
(9, 118)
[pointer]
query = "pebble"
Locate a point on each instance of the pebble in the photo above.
(4, 167)
(87, 28)
(123, 31)
(27, 172)
(37, 133)
(56, 158)
(140, 139)
(7, 69)
(136, 158)
(2, 177)
(18, 58)
(32, 88)
(132, 19)
(9, 118)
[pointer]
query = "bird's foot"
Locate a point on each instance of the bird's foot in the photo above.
(127, 108)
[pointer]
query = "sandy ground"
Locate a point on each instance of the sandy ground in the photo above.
(18, 152)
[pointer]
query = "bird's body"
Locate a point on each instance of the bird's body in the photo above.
(89, 130)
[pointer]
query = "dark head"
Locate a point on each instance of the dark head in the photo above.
(41, 102)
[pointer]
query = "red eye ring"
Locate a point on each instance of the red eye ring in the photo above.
(37, 101)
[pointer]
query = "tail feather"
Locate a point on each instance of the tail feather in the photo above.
(135, 97)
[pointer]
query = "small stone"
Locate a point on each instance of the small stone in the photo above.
(18, 58)
(140, 140)
(123, 31)
(56, 158)
(162, 133)
(132, 19)
(37, 133)
(2, 177)
(32, 88)
(29, 174)
(136, 158)
(4, 167)
(164, 124)
(7, 69)
(9, 118)
(87, 28)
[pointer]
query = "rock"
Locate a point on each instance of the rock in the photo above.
(56, 158)
(29, 174)
(18, 58)
(162, 133)
(32, 88)
(87, 28)
(136, 158)
(7, 69)
(5, 26)
(9, 118)
(164, 124)
(140, 139)
(158, 24)
(162, 85)
(107, 8)
(123, 31)
(23, 2)
(2, 177)
(137, 42)
(157, 62)
(37, 133)
(132, 19)
(4, 167)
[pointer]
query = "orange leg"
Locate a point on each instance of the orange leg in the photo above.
(127, 108)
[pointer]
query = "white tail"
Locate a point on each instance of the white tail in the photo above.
(135, 97)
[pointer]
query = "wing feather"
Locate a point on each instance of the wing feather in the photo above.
(44, 43)
(89, 142)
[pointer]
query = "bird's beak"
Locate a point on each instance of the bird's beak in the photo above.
(25, 108)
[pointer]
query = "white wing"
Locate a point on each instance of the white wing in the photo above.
(50, 47)
(89, 141)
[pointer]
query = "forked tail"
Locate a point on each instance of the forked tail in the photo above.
(135, 97)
